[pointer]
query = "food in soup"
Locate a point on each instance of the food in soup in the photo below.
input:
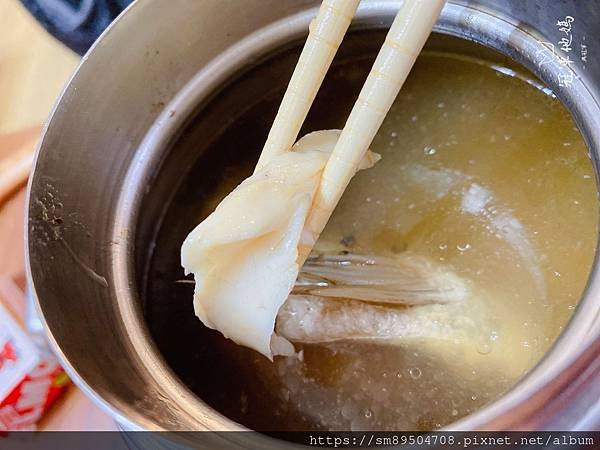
(498, 193)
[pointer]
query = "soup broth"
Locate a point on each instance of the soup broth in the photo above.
(483, 171)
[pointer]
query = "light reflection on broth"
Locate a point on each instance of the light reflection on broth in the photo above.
(481, 172)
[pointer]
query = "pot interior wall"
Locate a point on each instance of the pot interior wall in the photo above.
(214, 150)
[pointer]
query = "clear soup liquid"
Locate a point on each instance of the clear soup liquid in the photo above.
(483, 172)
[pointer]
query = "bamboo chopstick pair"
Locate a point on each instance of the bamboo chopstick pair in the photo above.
(405, 39)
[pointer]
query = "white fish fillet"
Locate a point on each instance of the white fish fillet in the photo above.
(243, 256)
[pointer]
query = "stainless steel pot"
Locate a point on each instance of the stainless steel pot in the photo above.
(105, 169)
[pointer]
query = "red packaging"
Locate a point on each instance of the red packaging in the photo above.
(30, 377)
